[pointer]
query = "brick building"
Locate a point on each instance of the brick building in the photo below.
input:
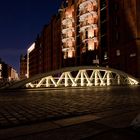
(7, 72)
(124, 35)
(23, 66)
(104, 30)
(90, 32)
(80, 36)
(45, 54)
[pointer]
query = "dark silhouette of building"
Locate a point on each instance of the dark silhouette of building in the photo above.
(23, 66)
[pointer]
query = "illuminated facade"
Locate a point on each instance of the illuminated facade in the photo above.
(90, 32)
(102, 32)
(7, 73)
(80, 36)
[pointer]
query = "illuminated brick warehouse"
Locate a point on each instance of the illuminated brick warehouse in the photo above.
(89, 32)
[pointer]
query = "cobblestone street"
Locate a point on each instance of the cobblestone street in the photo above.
(32, 106)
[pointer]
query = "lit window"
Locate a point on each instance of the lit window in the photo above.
(105, 56)
(90, 19)
(69, 33)
(90, 33)
(96, 44)
(89, 7)
(0, 66)
(0, 74)
(70, 54)
(118, 52)
(132, 54)
(70, 44)
(96, 32)
(83, 49)
(69, 24)
(91, 45)
(65, 55)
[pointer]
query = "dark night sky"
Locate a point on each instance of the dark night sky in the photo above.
(20, 22)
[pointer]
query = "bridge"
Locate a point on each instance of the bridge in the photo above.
(82, 76)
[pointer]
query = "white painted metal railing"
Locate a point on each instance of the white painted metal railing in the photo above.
(83, 77)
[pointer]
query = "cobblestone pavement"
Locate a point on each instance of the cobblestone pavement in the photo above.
(18, 107)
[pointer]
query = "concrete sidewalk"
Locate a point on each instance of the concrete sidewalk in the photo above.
(92, 113)
(81, 127)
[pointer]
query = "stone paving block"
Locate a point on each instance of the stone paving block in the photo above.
(12, 133)
(53, 104)
(76, 120)
(74, 132)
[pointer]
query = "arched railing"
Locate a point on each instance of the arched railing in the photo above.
(78, 77)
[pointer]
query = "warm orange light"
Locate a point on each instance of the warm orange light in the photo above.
(90, 32)
(69, 12)
(69, 24)
(89, 7)
(90, 44)
(70, 44)
(70, 54)
(70, 33)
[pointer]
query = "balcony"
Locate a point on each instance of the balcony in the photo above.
(64, 31)
(67, 20)
(95, 39)
(65, 49)
(86, 14)
(86, 2)
(86, 26)
(68, 39)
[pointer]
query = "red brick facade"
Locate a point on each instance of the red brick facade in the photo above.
(23, 66)
(46, 55)
(124, 36)
(90, 32)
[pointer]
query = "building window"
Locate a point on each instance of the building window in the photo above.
(105, 56)
(0, 66)
(116, 6)
(117, 36)
(73, 1)
(132, 54)
(116, 20)
(118, 52)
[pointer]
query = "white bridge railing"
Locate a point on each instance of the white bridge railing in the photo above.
(83, 77)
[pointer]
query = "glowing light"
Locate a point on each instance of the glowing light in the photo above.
(69, 54)
(0, 66)
(31, 48)
(67, 31)
(87, 2)
(98, 77)
(90, 44)
(90, 33)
